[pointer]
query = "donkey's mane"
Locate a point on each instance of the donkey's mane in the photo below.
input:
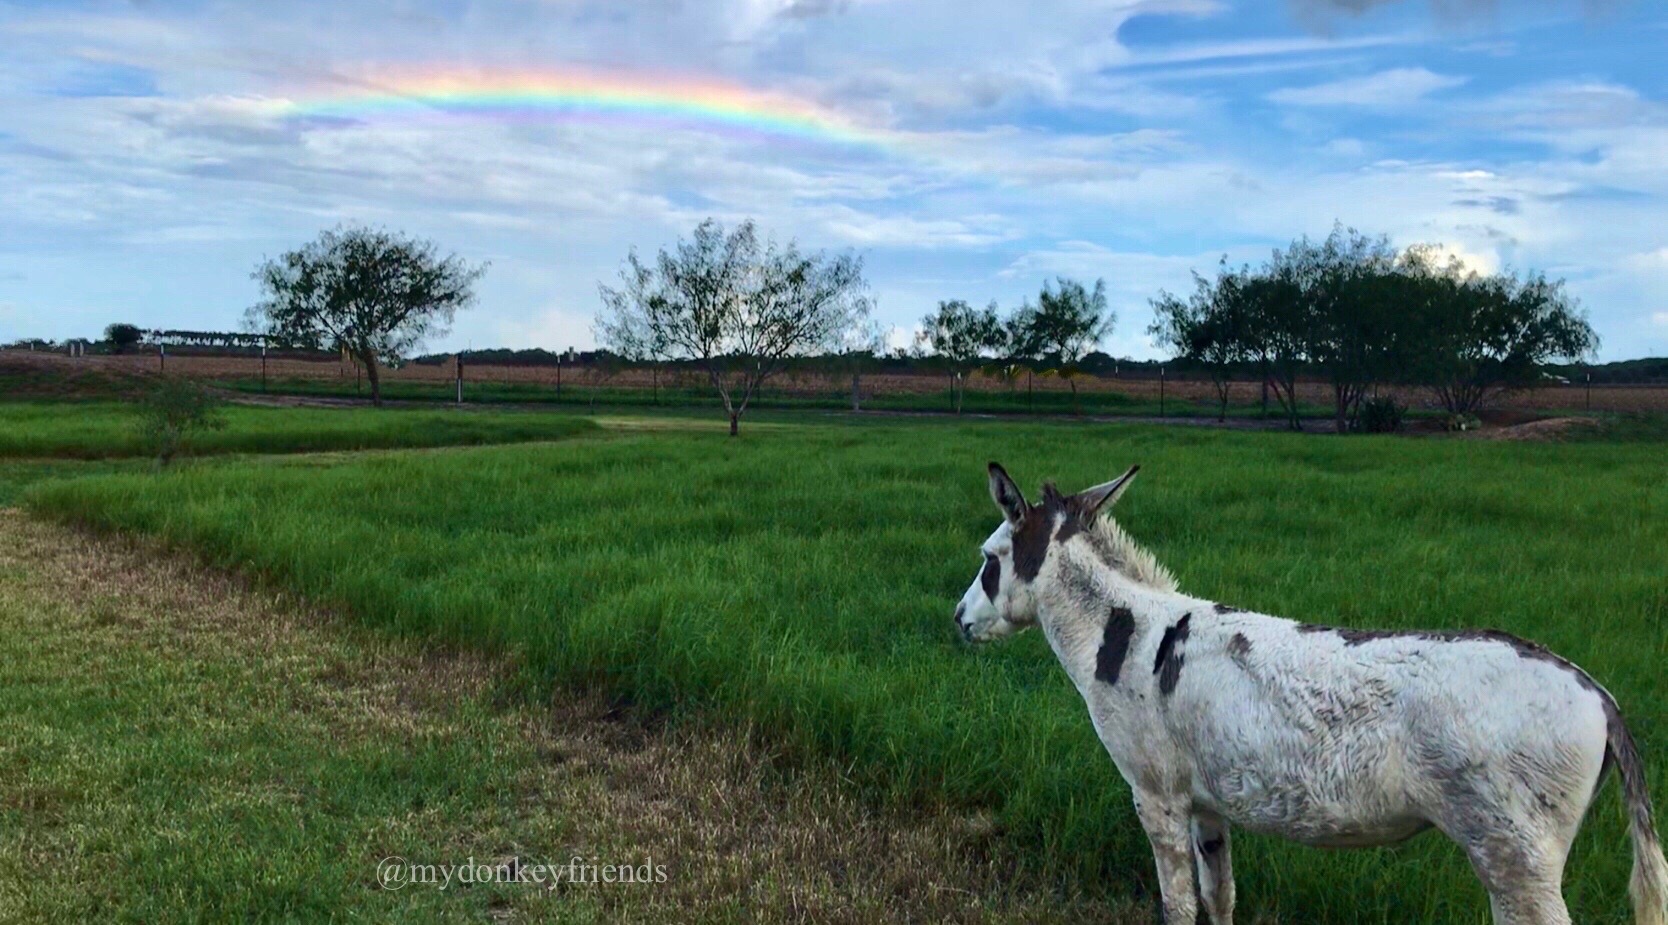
(1129, 558)
(1117, 548)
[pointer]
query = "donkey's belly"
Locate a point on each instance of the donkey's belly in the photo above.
(1313, 805)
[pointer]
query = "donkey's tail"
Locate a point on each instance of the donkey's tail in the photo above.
(1649, 886)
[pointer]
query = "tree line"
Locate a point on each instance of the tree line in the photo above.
(1054, 335)
(740, 307)
(1361, 315)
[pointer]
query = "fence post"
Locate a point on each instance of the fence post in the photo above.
(558, 377)
(1161, 391)
(161, 357)
(263, 364)
(460, 378)
(1589, 390)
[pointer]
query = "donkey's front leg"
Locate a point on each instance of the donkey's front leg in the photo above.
(1166, 820)
(1216, 871)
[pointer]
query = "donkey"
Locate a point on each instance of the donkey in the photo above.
(1335, 737)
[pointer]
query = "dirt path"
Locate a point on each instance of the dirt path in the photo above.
(177, 745)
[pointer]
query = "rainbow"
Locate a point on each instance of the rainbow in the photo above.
(578, 96)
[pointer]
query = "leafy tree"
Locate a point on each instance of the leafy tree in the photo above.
(1480, 335)
(1347, 287)
(122, 336)
(1067, 323)
(733, 306)
(172, 412)
(962, 337)
(1209, 328)
(374, 293)
(1277, 325)
(1019, 350)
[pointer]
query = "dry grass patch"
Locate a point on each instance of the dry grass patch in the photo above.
(175, 745)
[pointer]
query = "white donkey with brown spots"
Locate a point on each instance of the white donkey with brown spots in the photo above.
(1333, 737)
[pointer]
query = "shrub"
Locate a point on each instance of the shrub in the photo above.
(1381, 414)
(123, 337)
(172, 412)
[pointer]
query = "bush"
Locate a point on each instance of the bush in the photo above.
(123, 337)
(172, 412)
(1381, 414)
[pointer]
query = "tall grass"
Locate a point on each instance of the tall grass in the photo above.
(94, 430)
(802, 578)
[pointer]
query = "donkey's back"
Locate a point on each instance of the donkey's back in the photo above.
(1342, 738)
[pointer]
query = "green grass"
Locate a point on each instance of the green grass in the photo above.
(98, 430)
(176, 748)
(1015, 401)
(801, 578)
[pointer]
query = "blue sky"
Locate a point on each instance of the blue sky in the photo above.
(148, 161)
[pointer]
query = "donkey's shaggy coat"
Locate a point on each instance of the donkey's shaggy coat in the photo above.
(1328, 736)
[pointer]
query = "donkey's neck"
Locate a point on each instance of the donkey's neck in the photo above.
(1096, 618)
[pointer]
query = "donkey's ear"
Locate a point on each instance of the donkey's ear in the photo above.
(1007, 495)
(1106, 495)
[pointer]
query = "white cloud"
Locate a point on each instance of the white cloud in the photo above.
(1660, 319)
(1022, 140)
(552, 327)
(1386, 89)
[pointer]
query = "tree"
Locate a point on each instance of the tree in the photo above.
(1210, 328)
(962, 337)
(733, 306)
(1019, 351)
(1277, 323)
(1480, 335)
(122, 336)
(172, 412)
(1067, 323)
(374, 293)
(1350, 293)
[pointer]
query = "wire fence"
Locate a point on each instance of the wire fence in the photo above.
(832, 386)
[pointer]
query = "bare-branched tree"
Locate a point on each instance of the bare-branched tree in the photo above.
(735, 306)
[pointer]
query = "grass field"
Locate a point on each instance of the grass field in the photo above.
(176, 747)
(100, 430)
(800, 580)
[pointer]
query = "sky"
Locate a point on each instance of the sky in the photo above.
(152, 153)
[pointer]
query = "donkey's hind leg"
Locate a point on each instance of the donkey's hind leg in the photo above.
(1216, 870)
(1524, 879)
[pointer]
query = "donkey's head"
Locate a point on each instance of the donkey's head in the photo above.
(1002, 599)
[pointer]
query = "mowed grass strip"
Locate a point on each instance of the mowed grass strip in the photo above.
(175, 747)
(100, 430)
(801, 580)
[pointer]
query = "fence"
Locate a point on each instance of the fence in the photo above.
(332, 374)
